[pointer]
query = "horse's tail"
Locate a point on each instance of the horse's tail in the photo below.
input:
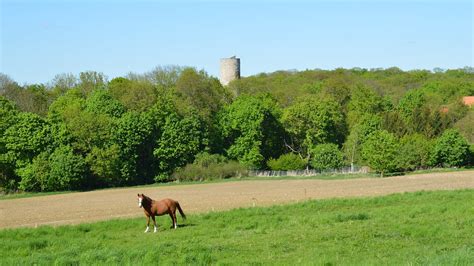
(180, 211)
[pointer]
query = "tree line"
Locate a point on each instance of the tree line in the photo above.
(84, 131)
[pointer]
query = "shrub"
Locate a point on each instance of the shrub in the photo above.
(34, 176)
(451, 149)
(381, 151)
(68, 171)
(105, 165)
(62, 170)
(205, 159)
(471, 155)
(326, 156)
(208, 167)
(415, 152)
(289, 161)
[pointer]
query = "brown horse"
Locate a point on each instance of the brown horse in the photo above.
(157, 208)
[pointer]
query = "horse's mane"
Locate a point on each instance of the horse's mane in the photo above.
(148, 199)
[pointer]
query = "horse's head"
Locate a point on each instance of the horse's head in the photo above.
(140, 200)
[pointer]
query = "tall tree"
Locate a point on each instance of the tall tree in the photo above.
(451, 149)
(63, 82)
(380, 151)
(205, 94)
(251, 130)
(8, 117)
(135, 136)
(415, 152)
(312, 121)
(135, 95)
(90, 80)
(180, 140)
(363, 101)
(358, 135)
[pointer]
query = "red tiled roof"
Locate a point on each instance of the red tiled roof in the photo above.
(468, 100)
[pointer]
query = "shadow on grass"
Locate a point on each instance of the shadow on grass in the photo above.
(184, 225)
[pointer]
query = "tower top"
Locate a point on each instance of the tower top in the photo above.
(229, 70)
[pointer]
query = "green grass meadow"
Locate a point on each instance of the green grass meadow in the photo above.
(435, 228)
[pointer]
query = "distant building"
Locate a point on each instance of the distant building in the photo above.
(230, 70)
(468, 100)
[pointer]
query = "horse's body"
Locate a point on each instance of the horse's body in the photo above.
(154, 208)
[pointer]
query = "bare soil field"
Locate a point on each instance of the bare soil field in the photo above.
(80, 207)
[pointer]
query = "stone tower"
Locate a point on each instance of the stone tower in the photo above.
(230, 70)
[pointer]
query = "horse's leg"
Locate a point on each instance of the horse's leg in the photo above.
(173, 220)
(147, 224)
(173, 216)
(154, 223)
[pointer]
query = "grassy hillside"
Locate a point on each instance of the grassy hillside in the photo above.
(421, 228)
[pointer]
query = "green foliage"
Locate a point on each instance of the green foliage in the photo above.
(414, 152)
(181, 139)
(251, 130)
(471, 154)
(134, 136)
(35, 176)
(101, 102)
(393, 122)
(206, 94)
(104, 164)
(466, 126)
(8, 116)
(8, 112)
(289, 161)
(380, 151)
(164, 77)
(84, 123)
(363, 101)
(429, 113)
(27, 137)
(285, 86)
(209, 167)
(90, 130)
(136, 95)
(62, 170)
(140, 128)
(205, 159)
(63, 82)
(68, 170)
(197, 93)
(66, 106)
(411, 101)
(429, 228)
(451, 149)
(33, 98)
(312, 121)
(91, 80)
(326, 156)
(359, 133)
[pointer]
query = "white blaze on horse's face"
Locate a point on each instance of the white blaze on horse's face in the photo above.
(140, 202)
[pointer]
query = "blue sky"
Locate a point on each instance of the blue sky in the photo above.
(40, 39)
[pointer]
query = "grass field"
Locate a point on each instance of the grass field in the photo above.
(409, 228)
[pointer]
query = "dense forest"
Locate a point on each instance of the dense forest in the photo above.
(178, 123)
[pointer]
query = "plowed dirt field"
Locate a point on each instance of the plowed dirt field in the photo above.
(80, 207)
